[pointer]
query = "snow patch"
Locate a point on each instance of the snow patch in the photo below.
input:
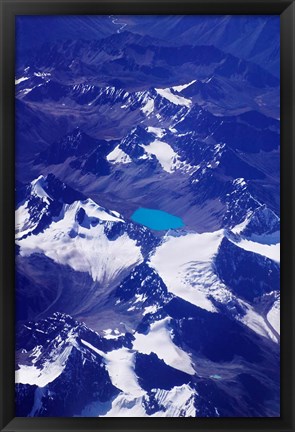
(240, 227)
(120, 366)
(90, 346)
(42, 74)
(149, 107)
(256, 322)
(23, 222)
(27, 90)
(269, 251)
(159, 341)
(164, 153)
(159, 132)
(175, 99)
(150, 309)
(179, 88)
(19, 80)
(118, 156)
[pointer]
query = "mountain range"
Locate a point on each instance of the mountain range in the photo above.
(114, 318)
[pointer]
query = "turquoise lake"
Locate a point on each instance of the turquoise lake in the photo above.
(156, 219)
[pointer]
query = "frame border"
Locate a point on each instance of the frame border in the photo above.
(8, 10)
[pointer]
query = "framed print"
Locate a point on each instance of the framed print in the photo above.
(147, 241)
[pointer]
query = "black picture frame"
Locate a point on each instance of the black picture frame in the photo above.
(11, 8)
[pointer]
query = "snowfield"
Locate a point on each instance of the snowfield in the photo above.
(120, 365)
(184, 264)
(149, 106)
(118, 156)
(21, 79)
(157, 131)
(179, 88)
(84, 247)
(159, 341)
(270, 251)
(175, 99)
(49, 372)
(164, 153)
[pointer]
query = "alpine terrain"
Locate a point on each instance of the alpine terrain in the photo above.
(147, 216)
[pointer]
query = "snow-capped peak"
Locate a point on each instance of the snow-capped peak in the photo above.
(75, 235)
